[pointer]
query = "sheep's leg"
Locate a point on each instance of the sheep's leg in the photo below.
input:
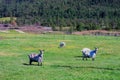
(83, 58)
(30, 62)
(93, 59)
(41, 63)
(38, 63)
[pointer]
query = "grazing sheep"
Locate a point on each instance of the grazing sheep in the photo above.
(36, 57)
(87, 53)
(62, 44)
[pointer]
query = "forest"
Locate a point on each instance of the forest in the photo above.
(77, 14)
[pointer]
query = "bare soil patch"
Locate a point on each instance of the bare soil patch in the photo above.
(44, 30)
(98, 32)
(8, 54)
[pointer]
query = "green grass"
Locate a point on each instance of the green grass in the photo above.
(59, 63)
(6, 19)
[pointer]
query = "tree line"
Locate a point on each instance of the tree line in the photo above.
(76, 14)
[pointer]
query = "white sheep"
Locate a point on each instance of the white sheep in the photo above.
(36, 57)
(87, 53)
(62, 44)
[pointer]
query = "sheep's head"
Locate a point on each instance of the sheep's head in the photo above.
(41, 51)
(96, 48)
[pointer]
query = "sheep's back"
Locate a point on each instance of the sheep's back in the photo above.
(33, 55)
(86, 51)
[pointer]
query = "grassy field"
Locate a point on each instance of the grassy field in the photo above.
(59, 63)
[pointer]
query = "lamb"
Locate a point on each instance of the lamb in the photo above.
(36, 57)
(87, 53)
(62, 44)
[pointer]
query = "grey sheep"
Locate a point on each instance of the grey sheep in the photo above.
(62, 44)
(36, 57)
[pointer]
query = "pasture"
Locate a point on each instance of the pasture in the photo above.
(59, 63)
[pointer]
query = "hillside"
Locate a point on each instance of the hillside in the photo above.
(77, 14)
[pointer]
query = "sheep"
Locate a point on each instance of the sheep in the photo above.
(62, 44)
(87, 53)
(36, 57)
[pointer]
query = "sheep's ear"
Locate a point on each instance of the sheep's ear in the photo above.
(96, 48)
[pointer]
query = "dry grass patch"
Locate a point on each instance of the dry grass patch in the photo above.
(8, 54)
